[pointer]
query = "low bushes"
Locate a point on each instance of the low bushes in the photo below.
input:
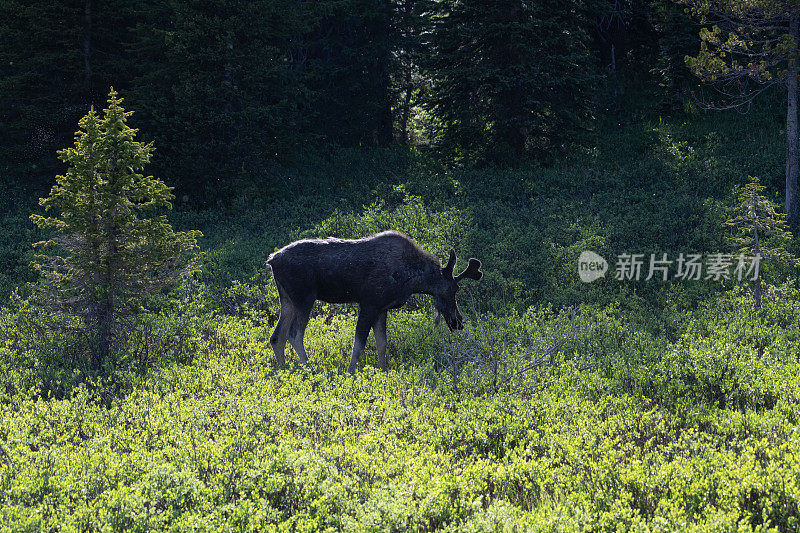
(620, 428)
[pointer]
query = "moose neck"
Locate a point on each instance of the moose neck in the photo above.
(425, 282)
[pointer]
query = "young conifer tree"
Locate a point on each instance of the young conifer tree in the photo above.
(106, 256)
(761, 230)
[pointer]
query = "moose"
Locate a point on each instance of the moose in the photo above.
(379, 272)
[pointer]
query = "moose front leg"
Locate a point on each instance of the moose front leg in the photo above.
(379, 331)
(366, 318)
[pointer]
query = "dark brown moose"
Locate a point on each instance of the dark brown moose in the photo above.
(379, 273)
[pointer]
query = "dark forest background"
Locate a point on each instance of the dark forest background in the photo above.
(518, 132)
(229, 88)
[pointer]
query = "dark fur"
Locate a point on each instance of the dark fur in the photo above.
(379, 273)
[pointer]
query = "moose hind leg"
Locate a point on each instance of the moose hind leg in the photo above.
(279, 336)
(278, 341)
(366, 318)
(379, 331)
(297, 331)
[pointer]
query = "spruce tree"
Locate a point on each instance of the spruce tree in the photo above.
(761, 230)
(106, 256)
(510, 78)
(56, 59)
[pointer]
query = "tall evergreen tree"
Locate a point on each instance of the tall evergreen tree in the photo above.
(642, 46)
(229, 85)
(510, 78)
(349, 60)
(106, 257)
(749, 47)
(41, 82)
(407, 38)
(221, 91)
(675, 38)
(54, 57)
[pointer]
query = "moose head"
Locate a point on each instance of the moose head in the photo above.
(445, 289)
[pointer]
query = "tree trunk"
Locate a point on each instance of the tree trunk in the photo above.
(792, 165)
(614, 81)
(385, 119)
(757, 250)
(406, 109)
(87, 46)
(103, 343)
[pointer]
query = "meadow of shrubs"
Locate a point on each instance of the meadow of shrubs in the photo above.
(562, 406)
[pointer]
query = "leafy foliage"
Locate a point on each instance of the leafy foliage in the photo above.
(621, 429)
(741, 42)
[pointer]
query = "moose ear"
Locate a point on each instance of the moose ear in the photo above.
(447, 271)
(473, 271)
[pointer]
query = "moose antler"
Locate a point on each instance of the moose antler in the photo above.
(473, 270)
(451, 263)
